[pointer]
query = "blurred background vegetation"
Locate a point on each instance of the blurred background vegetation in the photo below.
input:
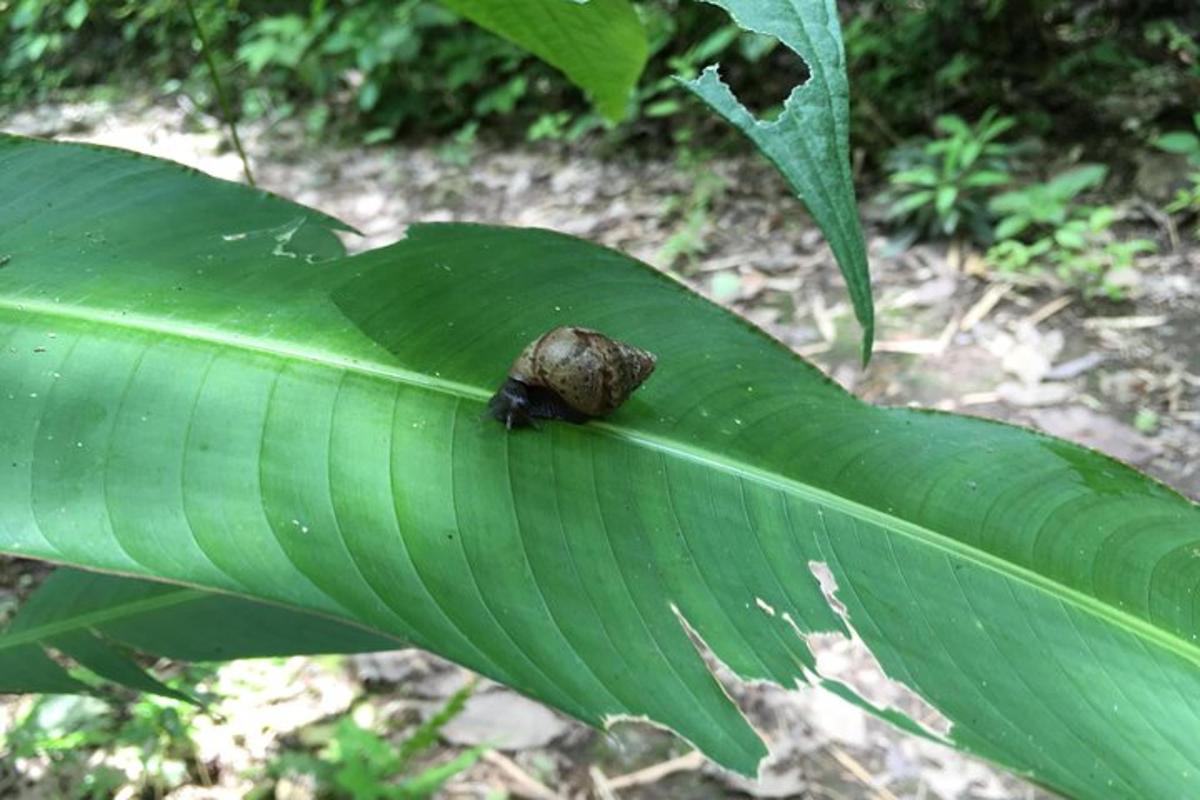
(1110, 72)
(967, 110)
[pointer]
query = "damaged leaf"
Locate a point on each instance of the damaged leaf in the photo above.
(809, 142)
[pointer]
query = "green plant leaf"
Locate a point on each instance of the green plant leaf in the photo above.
(1066, 185)
(1101, 218)
(1180, 142)
(910, 202)
(917, 176)
(433, 778)
(993, 129)
(600, 45)
(953, 125)
(195, 394)
(96, 619)
(809, 141)
(1070, 238)
(944, 201)
(1009, 227)
(987, 178)
(971, 151)
(1015, 202)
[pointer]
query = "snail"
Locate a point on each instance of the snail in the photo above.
(571, 374)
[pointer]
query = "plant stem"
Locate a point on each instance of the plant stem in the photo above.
(222, 99)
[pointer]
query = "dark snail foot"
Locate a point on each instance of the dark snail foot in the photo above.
(518, 405)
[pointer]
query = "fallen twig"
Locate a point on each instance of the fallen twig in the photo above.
(1125, 323)
(1046, 311)
(1162, 220)
(655, 773)
(523, 784)
(984, 305)
(861, 773)
(601, 784)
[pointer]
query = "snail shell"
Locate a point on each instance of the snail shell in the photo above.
(571, 374)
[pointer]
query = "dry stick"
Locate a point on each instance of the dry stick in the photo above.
(600, 784)
(525, 785)
(978, 312)
(1163, 221)
(655, 773)
(1046, 312)
(861, 773)
(222, 100)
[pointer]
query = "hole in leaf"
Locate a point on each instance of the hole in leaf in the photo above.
(762, 72)
(850, 662)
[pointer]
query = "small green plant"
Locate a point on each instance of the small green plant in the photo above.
(76, 736)
(358, 763)
(692, 212)
(1187, 144)
(1146, 421)
(940, 187)
(1043, 228)
(1049, 204)
(1187, 199)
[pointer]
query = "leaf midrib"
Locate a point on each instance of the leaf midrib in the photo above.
(39, 633)
(293, 351)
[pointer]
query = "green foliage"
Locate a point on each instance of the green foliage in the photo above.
(1068, 70)
(1187, 144)
(360, 764)
(1043, 227)
(691, 212)
(1048, 204)
(375, 69)
(35, 35)
(70, 730)
(941, 186)
(1187, 199)
(599, 45)
(53, 46)
(1146, 421)
(1184, 143)
(410, 65)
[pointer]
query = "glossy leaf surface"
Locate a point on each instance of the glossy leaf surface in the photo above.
(192, 393)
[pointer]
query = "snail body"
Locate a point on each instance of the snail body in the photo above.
(571, 374)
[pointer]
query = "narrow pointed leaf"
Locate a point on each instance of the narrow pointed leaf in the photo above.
(810, 141)
(312, 433)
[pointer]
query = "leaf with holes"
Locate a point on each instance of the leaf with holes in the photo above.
(809, 141)
(198, 388)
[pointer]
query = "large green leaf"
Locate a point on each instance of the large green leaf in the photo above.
(193, 396)
(600, 45)
(97, 619)
(810, 139)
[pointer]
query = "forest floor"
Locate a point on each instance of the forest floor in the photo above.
(1123, 378)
